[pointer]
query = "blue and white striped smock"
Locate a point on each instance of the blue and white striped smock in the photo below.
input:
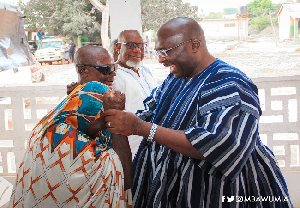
(219, 112)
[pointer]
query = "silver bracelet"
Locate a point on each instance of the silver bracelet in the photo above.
(152, 133)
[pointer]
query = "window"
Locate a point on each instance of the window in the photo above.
(229, 25)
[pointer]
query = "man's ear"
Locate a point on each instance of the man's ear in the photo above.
(83, 71)
(196, 44)
(118, 47)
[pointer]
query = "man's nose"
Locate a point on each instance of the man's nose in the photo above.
(112, 74)
(138, 49)
(161, 59)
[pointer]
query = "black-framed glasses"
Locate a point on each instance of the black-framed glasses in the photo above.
(133, 45)
(104, 69)
(163, 53)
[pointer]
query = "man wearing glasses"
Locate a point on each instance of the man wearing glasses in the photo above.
(201, 145)
(133, 79)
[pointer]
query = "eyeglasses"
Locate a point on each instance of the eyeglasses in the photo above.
(105, 69)
(133, 45)
(163, 53)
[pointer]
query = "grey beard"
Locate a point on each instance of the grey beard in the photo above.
(135, 65)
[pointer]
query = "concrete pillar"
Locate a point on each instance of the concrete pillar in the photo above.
(296, 34)
(124, 15)
(79, 41)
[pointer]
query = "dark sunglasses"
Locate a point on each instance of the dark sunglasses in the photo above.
(105, 69)
(133, 45)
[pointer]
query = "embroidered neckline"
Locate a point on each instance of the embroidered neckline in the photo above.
(143, 74)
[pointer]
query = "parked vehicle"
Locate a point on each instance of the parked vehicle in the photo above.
(49, 49)
(17, 64)
(32, 46)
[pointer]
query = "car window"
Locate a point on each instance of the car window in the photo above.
(52, 44)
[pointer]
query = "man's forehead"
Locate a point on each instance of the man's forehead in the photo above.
(94, 57)
(165, 41)
(132, 37)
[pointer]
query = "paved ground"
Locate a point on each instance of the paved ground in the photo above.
(263, 57)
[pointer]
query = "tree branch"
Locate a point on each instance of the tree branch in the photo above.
(98, 5)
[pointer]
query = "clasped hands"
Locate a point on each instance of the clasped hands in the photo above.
(114, 119)
(118, 121)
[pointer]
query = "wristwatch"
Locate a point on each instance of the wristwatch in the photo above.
(152, 133)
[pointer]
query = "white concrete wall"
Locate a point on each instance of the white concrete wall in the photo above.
(243, 28)
(279, 128)
(284, 25)
(216, 28)
(124, 15)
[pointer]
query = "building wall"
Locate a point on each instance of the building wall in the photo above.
(284, 25)
(124, 15)
(243, 28)
(222, 28)
(294, 32)
(31, 35)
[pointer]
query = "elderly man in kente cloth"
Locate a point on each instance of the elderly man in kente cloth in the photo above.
(71, 160)
(201, 145)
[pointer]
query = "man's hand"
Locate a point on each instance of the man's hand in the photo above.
(96, 126)
(113, 100)
(120, 122)
(71, 87)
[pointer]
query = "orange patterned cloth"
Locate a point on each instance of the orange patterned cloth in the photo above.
(64, 167)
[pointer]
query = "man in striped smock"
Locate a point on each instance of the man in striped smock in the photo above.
(201, 145)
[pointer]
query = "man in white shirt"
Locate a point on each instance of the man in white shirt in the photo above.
(132, 78)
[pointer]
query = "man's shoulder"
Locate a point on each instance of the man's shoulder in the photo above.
(123, 77)
(95, 86)
(122, 72)
(220, 71)
(146, 69)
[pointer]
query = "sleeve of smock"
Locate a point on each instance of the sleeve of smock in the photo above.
(226, 130)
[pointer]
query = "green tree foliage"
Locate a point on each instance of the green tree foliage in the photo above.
(63, 17)
(262, 7)
(260, 22)
(227, 11)
(259, 10)
(156, 12)
(214, 15)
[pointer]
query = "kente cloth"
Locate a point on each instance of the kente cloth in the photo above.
(219, 112)
(63, 166)
(136, 88)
